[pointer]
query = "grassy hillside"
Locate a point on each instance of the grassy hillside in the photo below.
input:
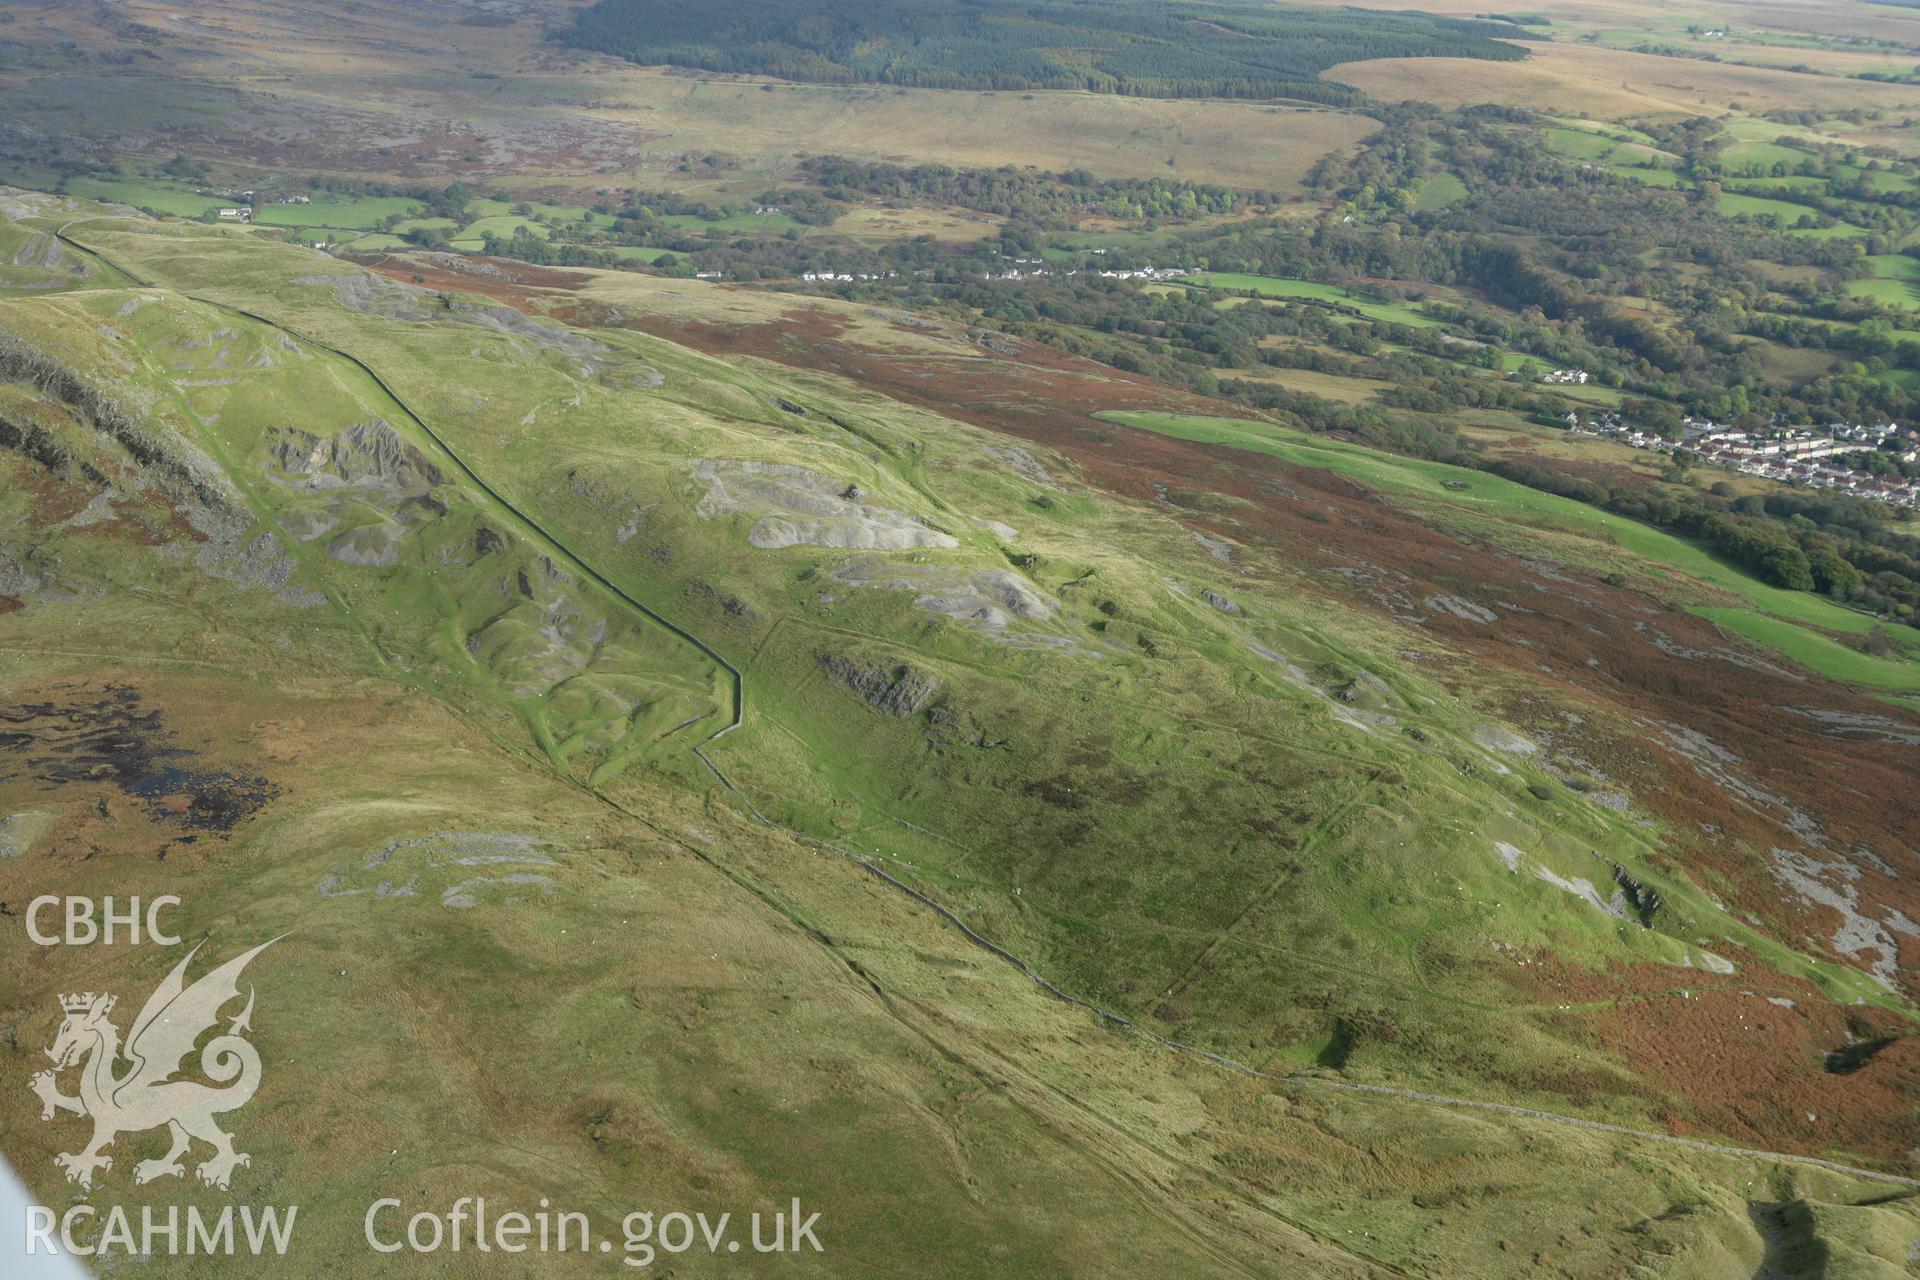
(510, 560)
(981, 617)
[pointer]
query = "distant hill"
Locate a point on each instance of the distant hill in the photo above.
(1160, 50)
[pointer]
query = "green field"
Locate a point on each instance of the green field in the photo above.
(1439, 192)
(1792, 182)
(1277, 287)
(1760, 157)
(1581, 144)
(733, 222)
(489, 208)
(366, 212)
(180, 200)
(1882, 180)
(1818, 652)
(448, 225)
(1606, 128)
(503, 225)
(175, 199)
(1626, 153)
(1892, 293)
(1893, 279)
(1784, 213)
(1753, 129)
(1653, 177)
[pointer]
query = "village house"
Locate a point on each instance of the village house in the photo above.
(1793, 454)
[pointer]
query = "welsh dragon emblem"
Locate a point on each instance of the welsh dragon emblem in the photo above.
(145, 1095)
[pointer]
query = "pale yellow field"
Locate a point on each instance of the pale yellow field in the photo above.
(1612, 83)
(1242, 144)
(1828, 61)
(1839, 18)
(362, 89)
(946, 225)
(1325, 385)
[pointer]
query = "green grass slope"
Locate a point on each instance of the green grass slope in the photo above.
(508, 574)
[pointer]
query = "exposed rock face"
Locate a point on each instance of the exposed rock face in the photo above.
(36, 443)
(124, 456)
(1004, 532)
(305, 526)
(372, 294)
(895, 691)
(46, 253)
(178, 468)
(1466, 610)
(799, 507)
(17, 203)
(1835, 884)
(365, 465)
(997, 602)
(1023, 462)
(19, 831)
(990, 597)
(366, 455)
(587, 356)
(1641, 899)
(373, 544)
(1219, 550)
(441, 862)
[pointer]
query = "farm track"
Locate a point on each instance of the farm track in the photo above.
(1287, 1080)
